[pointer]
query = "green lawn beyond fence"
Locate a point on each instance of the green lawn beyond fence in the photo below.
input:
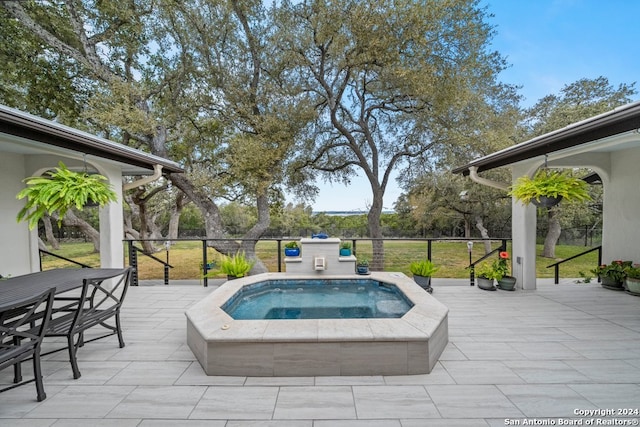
(452, 257)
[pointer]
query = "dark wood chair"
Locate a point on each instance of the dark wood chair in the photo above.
(99, 301)
(22, 329)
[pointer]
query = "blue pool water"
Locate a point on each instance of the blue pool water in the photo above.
(318, 299)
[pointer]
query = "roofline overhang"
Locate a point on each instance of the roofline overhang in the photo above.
(619, 120)
(18, 123)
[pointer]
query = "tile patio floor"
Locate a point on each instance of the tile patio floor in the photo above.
(535, 355)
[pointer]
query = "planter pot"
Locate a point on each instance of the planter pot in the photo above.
(345, 252)
(362, 269)
(292, 251)
(633, 286)
(485, 284)
(546, 202)
(507, 283)
(609, 283)
(424, 282)
(232, 277)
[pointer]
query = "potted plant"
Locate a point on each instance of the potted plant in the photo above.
(548, 187)
(345, 249)
(632, 279)
(422, 271)
(612, 275)
(362, 265)
(291, 249)
(485, 276)
(61, 190)
(235, 266)
(505, 281)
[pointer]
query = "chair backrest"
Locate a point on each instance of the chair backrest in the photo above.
(104, 295)
(22, 327)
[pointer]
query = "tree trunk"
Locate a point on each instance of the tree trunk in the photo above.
(41, 245)
(174, 220)
(48, 232)
(72, 220)
(375, 232)
(553, 234)
(484, 233)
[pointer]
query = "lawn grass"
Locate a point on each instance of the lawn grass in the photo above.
(452, 257)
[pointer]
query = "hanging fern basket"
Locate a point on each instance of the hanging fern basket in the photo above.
(61, 189)
(547, 188)
(546, 202)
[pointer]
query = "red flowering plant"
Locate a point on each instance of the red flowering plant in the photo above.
(497, 270)
(615, 271)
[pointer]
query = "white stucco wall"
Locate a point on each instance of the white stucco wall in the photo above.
(523, 225)
(15, 256)
(620, 229)
(18, 245)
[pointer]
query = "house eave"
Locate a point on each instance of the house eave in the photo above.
(23, 125)
(614, 122)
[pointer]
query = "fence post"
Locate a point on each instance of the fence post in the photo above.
(279, 255)
(133, 262)
(472, 267)
(429, 249)
(204, 263)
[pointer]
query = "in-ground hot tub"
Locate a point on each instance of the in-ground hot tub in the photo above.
(403, 341)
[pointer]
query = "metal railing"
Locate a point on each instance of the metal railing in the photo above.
(42, 251)
(133, 262)
(556, 265)
(472, 264)
(205, 265)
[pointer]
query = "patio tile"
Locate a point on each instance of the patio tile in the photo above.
(158, 402)
(451, 352)
(95, 373)
(556, 349)
(279, 381)
(481, 372)
(97, 402)
(545, 372)
(377, 402)
(195, 375)
(472, 401)
(350, 380)
(546, 400)
(607, 371)
(320, 402)
(488, 351)
(241, 403)
(20, 401)
(438, 375)
(279, 423)
(150, 373)
(97, 422)
(181, 423)
(545, 351)
(610, 395)
(477, 422)
(146, 351)
(359, 423)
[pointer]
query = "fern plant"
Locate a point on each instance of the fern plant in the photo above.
(551, 184)
(423, 267)
(236, 266)
(61, 190)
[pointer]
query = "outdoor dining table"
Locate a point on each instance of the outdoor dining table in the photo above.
(19, 288)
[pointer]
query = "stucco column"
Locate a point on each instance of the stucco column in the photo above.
(523, 225)
(112, 224)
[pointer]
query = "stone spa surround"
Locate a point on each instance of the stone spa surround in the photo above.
(411, 344)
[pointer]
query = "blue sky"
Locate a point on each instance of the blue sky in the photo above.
(548, 44)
